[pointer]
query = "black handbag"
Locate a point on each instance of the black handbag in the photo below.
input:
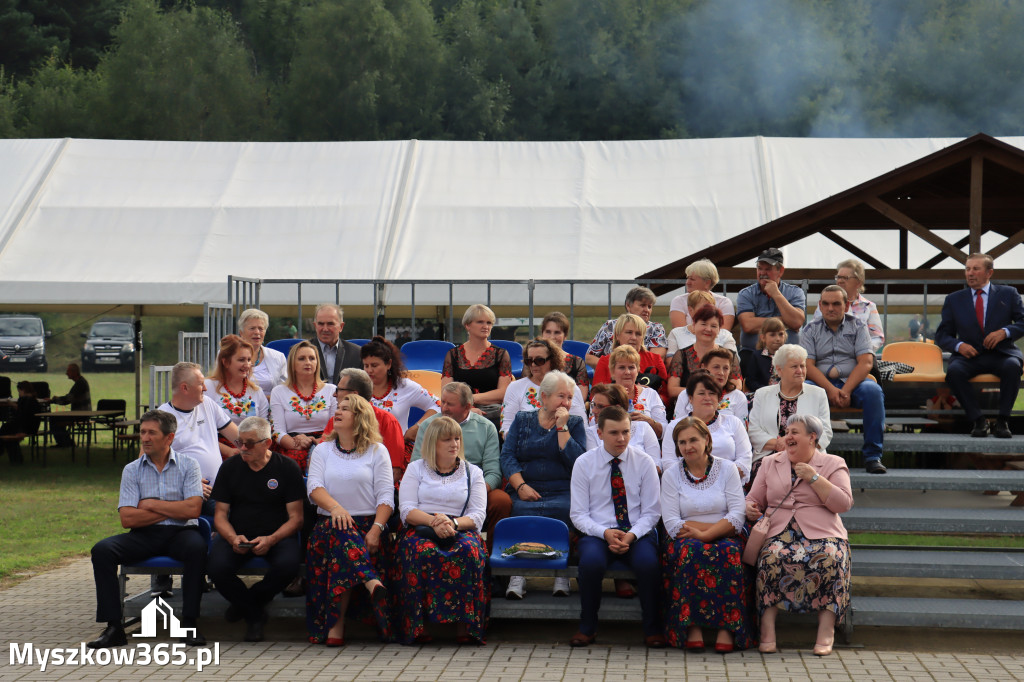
(429, 533)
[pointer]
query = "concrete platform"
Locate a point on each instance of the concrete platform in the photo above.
(936, 520)
(938, 479)
(929, 443)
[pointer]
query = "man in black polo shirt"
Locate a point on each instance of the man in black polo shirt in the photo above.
(259, 497)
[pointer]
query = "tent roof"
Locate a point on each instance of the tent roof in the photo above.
(971, 188)
(161, 223)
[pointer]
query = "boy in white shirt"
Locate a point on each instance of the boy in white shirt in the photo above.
(615, 504)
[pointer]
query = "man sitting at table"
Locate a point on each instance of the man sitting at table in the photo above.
(161, 496)
(259, 497)
(78, 398)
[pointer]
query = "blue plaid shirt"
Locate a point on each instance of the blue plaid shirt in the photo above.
(180, 480)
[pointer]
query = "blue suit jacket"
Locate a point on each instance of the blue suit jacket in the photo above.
(960, 323)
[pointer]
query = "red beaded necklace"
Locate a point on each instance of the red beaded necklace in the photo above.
(387, 389)
(303, 398)
(236, 396)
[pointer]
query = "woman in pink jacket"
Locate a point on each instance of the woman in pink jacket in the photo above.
(804, 566)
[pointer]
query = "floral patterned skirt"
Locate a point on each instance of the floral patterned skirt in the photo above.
(438, 586)
(804, 576)
(705, 585)
(301, 457)
(337, 561)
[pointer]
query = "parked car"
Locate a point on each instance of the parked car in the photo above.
(110, 343)
(22, 343)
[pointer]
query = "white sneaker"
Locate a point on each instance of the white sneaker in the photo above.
(516, 587)
(561, 587)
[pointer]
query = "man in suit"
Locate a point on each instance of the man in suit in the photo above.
(979, 326)
(335, 353)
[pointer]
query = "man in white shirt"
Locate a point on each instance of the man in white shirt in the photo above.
(200, 419)
(616, 505)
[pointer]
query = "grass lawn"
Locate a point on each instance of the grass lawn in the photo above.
(928, 540)
(61, 511)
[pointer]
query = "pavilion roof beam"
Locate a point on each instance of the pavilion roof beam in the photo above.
(1005, 246)
(917, 228)
(935, 260)
(855, 250)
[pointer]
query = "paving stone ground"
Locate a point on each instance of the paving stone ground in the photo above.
(57, 608)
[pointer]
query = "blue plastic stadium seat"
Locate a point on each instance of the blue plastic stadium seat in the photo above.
(359, 342)
(579, 349)
(515, 354)
(283, 345)
(425, 354)
(530, 529)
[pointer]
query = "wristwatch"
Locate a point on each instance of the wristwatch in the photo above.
(381, 526)
(563, 429)
(455, 521)
(814, 478)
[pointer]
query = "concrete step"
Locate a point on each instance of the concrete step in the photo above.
(938, 479)
(939, 563)
(978, 614)
(936, 520)
(929, 443)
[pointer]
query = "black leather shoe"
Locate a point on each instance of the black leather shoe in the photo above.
(254, 627)
(112, 636)
(161, 586)
(874, 467)
(980, 429)
(233, 614)
(1002, 429)
(195, 638)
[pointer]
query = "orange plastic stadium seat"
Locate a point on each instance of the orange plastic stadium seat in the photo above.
(925, 358)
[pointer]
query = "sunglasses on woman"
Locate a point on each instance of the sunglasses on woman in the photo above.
(536, 362)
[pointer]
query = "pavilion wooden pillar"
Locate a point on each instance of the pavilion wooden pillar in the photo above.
(977, 163)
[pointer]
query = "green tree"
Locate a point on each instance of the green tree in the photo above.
(366, 70)
(179, 75)
(9, 108)
(57, 101)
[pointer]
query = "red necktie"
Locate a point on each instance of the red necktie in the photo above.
(979, 310)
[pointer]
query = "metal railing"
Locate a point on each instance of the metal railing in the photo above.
(245, 293)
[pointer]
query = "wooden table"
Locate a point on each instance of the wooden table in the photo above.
(76, 416)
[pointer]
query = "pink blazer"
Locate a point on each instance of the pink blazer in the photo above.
(817, 519)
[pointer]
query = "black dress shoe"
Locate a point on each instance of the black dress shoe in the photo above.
(980, 429)
(254, 627)
(233, 614)
(161, 585)
(195, 638)
(112, 636)
(875, 467)
(1002, 429)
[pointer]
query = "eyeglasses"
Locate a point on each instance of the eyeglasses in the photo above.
(844, 278)
(249, 444)
(536, 362)
(339, 389)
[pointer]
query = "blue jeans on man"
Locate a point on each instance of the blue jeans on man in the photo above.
(869, 397)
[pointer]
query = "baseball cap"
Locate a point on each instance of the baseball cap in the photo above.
(770, 256)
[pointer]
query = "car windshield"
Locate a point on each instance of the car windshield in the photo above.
(111, 329)
(21, 326)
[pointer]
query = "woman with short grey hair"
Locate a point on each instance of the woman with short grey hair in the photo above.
(850, 277)
(776, 405)
(269, 367)
(485, 367)
(701, 275)
(640, 302)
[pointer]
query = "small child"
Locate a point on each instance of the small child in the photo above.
(758, 369)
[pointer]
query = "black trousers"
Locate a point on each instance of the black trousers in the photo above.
(184, 543)
(223, 565)
(961, 370)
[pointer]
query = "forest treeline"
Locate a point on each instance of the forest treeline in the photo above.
(509, 69)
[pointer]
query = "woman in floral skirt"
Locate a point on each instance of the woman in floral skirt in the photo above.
(441, 564)
(703, 509)
(350, 482)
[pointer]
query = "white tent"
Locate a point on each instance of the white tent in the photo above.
(137, 222)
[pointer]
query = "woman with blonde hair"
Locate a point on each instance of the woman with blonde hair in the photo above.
(441, 567)
(302, 405)
(629, 330)
(232, 387)
(486, 368)
(351, 484)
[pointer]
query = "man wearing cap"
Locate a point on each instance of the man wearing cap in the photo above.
(769, 297)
